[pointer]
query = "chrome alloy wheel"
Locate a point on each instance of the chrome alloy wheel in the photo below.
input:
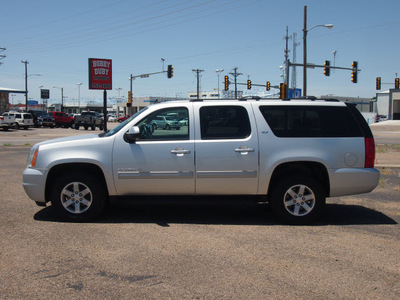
(76, 197)
(299, 200)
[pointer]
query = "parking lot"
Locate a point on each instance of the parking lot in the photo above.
(198, 250)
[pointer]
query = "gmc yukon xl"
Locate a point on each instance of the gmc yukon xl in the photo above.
(292, 153)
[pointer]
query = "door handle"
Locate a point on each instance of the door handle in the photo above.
(244, 150)
(180, 151)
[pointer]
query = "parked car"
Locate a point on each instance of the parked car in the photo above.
(42, 118)
(88, 119)
(291, 153)
(112, 118)
(61, 119)
(7, 121)
(22, 120)
(123, 118)
(166, 122)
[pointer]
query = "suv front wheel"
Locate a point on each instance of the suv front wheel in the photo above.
(297, 200)
(78, 196)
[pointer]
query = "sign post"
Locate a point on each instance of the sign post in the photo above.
(100, 78)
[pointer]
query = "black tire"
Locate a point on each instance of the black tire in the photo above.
(167, 127)
(16, 125)
(297, 200)
(93, 127)
(78, 196)
(86, 127)
(76, 126)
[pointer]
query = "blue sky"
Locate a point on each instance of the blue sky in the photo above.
(58, 37)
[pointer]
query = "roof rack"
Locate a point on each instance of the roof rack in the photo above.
(245, 98)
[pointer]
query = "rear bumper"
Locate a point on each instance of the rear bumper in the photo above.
(351, 181)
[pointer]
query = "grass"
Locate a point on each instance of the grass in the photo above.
(385, 148)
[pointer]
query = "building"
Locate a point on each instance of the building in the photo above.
(388, 104)
(363, 104)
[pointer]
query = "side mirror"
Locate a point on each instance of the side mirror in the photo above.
(132, 134)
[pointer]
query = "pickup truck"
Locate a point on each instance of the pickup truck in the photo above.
(61, 119)
(7, 121)
(290, 153)
(88, 119)
(42, 118)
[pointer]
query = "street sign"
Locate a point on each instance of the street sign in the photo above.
(296, 93)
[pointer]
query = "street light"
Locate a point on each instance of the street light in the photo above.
(79, 96)
(218, 73)
(62, 96)
(305, 30)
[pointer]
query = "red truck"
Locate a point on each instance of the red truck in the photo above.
(61, 119)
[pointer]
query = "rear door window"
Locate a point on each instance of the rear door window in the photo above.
(224, 122)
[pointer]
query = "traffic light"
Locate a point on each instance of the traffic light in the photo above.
(283, 91)
(226, 83)
(170, 71)
(129, 97)
(396, 83)
(378, 83)
(327, 69)
(249, 84)
(354, 66)
(268, 85)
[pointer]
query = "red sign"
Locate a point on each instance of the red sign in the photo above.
(100, 74)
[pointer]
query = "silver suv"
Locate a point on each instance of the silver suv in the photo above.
(292, 153)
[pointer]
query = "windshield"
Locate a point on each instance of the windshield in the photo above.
(120, 126)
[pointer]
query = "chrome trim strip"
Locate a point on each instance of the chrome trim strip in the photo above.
(156, 175)
(227, 174)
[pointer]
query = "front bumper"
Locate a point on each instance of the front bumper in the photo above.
(34, 183)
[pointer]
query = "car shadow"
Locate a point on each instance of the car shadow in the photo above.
(217, 213)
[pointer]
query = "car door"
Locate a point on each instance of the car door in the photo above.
(160, 162)
(226, 149)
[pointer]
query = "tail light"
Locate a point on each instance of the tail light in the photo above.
(369, 152)
(1, 118)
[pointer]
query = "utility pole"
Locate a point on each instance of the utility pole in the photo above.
(26, 83)
(198, 71)
(305, 53)
(286, 51)
(294, 75)
(235, 74)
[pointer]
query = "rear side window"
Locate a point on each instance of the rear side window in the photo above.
(311, 121)
(224, 122)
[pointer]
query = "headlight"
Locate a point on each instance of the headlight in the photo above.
(33, 153)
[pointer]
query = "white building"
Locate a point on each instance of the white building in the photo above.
(388, 104)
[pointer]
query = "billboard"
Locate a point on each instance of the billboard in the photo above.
(44, 94)
(100, 74)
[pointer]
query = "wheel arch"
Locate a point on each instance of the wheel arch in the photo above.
(310, 168)
(65, 168)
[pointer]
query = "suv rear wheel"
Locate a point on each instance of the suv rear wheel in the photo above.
(78, 196)
(297, 200)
